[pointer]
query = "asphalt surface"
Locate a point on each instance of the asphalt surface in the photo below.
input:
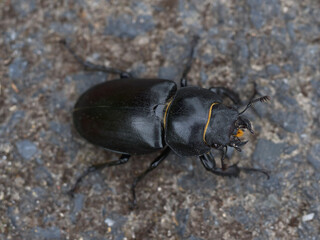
(273, 44)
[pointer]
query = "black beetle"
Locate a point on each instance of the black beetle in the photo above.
(138, 116)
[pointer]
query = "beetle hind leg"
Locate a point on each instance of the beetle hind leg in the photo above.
(98, 167)
(152, 166)
(186, 70)
(225, 92)
(94, 67)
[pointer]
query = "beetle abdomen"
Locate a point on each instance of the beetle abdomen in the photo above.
(120, 115)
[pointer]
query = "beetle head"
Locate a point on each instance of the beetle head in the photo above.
(227, 126)
(221, 126)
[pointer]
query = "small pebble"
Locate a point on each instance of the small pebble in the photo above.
(308, 217)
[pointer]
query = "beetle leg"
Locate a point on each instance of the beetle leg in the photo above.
(152, 166)
(223, 155)
(245, 169)
(209, 164)
(95, 67)
(225, 92)
(183, 80)
(98, 167)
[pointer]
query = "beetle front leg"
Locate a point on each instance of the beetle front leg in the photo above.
(152, 166)
(209, 163)
(95, 67)
(98, 167)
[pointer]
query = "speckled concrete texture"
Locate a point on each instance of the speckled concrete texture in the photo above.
(274, 44)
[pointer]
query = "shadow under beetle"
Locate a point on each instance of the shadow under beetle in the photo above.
(138, 116)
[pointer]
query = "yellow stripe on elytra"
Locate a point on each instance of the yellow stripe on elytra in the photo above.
(208, 121)
(165, 113)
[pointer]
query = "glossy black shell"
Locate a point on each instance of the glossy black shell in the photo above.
(124, 115)
(186, 120)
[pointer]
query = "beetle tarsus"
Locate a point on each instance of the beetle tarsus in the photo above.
(94, 67)
(97, 167)
(186, 70)
(152, 166)
(265, 172)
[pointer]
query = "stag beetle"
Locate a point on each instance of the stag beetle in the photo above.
(134, 116)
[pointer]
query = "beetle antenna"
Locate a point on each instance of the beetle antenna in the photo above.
(261, 99)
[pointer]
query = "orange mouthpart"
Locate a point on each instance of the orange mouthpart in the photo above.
(239, 133)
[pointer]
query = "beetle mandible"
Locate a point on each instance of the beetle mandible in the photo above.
(134, 116)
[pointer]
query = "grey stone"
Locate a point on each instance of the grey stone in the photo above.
(85, 80)
(245, 218)
(198, 180)
(23, 8)
(118, 222)
(182, 218)
(290, 120)
(124, 26)
(279, 34)
(254, 46)
(41, 173)
(288, 68)
(92, 235)
(18, 68)
(203, 77)
(69, 15)
(58, 101)
(291, 32)
(207, 58)
(176, 49)
(290, 148)
(242, 49)
(78, 201)
(316, 86)
(39, 193)
(13, 121)
(138, 70)
(45, 233)
(281, 86)
(65, 29)
(188, 10)
(273, 70)
(170, 73)
(13, 216)
(26, 148)
(262, 11)
(194, 238)
(314, 156)
(267, 153)
(257, 19)
(287, 102)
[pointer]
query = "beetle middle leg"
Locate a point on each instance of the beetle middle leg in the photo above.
(98, 167)
(152, 166)
(95, 67)
(183, 80)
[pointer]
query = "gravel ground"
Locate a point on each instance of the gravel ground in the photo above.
(274, 43)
